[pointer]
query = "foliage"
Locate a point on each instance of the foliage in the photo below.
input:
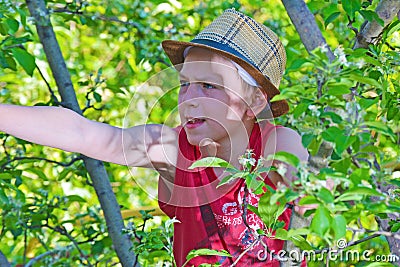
(152, 244)
(111, 47)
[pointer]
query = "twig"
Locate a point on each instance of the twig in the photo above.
(91, 106)
(53, 96)
(350, 244)
(61, 229)
(245, 251)
(25, 244)
(384, 233)
(244, 214)
(64, 164)
(41, 256)
(97, 16)
(350, 25)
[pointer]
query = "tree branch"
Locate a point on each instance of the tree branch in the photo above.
(64, 164)
(40, 257)
(311, 37)
(3, 260)
(306, 26)
(371, 33)
(96, 170)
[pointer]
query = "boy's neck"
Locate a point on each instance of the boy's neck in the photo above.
(232, 148)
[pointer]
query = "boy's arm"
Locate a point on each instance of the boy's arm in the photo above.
(151, 146)
(288, 140)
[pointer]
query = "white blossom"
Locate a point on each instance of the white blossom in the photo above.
(243, 161)
(366, 183)
(360, 63)
(324, 48)
(339, 51)
(281, 169)
(314, 110)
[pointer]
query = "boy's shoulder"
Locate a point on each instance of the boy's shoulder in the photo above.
(286, 139)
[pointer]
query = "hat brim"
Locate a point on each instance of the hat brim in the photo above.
(175, 49)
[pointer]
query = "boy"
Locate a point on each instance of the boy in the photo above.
(228, 74)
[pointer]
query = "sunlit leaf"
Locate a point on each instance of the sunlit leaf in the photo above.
(286, 157)
(211, 162)
(207, 252)
(26, 60)
(356, 193)
(321, 221)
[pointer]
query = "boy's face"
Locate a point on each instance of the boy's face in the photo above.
(212, 99)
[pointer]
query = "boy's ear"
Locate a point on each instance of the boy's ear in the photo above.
(259, 102)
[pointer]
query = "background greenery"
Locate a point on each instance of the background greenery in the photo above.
(111, 47)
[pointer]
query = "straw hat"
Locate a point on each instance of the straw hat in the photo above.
(250, 44)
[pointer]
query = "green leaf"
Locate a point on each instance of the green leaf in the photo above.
(38, 172)
(281, 234)
(365, 80)
(351, 7)
(343, 142)
(380, 127)
(7, 61)
(301, 242)
(229, 178)
(6, 176)
(97, 247)
(325, 195)
(298, 231)
(393, 27)
(225, 180)
(26, 60)
(286, 157)
(379, 264)
(334, 117)
(254, 209)
(371, 16)
(300, 109)
(306, 139)
(211, 162)
(308, 200)
(207, 252)
(356, 193)
(321, 221)
(296, 64)
(339, 226)
(97, 97)
(338, 91)
(72, 198)
(3, 28)
(253, 183)
(3, 197)
(367, 102)
(266, 210)
(395, 227)
(331, 18)
(331, 133)
(12, 24)
(283, 96)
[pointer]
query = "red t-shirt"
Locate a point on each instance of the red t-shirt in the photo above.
(210, 217)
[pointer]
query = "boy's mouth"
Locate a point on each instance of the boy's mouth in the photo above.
(194, 122)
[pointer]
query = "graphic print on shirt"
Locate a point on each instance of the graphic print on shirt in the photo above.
(230, 219)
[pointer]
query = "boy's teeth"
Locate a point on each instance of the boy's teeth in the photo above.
(194, 120)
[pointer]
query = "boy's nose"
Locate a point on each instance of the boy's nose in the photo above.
(192, 94)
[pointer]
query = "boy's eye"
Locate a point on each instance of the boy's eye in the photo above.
(185, 83)
(208, 86)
